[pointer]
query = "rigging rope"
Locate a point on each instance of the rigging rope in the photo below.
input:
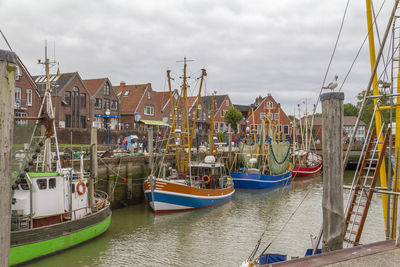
(359, 50)
(333, 54)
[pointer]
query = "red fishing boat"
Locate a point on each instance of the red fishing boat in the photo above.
(306, 163)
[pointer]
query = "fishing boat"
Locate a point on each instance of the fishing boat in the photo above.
(53, 208)
(305, 161)
(193, 185)
(265, 165)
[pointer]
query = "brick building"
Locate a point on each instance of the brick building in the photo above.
(104, 104)
(71, 99)
(27, 97)
(222, 104)
(262, 108)
(138, 100)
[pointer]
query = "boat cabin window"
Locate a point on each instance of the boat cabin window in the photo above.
(42, 183)
(200, 171)
(52, 183)
(24, 184)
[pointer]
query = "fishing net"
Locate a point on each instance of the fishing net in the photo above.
(278, 156)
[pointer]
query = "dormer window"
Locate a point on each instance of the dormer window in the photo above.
(227, 103)
(148, 95)
(127, 92)
(106, 89)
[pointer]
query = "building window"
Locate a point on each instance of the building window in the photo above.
(227, 103)
(199, 113)
(148, 95)
(97, 104)
(83, 121)
(222, 112)
(83, 100)
(17, 93)
(285, 129)
(148, 110)
(262, 115)
(28, 97)
(106, 89)
(269, 104)
(67, 98)
(114, 105)
(18, 73)
(106, 103)
(276, 116)
(42, 184)
(67, 121)
(21, 114)
(52, 183)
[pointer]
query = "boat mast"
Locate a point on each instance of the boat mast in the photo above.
(211, 133)
(306, 127)
(301, 127)
(378, 118)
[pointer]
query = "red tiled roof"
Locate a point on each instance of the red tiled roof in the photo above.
(93, 85)
(129, 101)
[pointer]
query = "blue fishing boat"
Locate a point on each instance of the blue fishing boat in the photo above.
(257, 180)
(262, 166)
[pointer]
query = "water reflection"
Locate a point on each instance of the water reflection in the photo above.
(220, 236)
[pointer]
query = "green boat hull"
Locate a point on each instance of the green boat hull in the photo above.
(26, 252)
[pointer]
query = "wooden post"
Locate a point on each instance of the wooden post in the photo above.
(93, 165)
(332, 145)
(7, 84)
(150, 145)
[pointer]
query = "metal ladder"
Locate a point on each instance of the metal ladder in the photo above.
(363, 189)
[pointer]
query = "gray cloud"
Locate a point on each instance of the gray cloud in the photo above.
(249, 48)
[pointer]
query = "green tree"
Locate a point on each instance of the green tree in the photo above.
(233, 117)
(350, 110)
(369, 108)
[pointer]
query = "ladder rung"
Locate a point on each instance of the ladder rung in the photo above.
(353, 223)
(351, 232)
(370, 168)
(356, 213)
(366, 177)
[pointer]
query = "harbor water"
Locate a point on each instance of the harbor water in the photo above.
(218, 236)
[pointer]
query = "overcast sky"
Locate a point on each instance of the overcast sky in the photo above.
(248, 48)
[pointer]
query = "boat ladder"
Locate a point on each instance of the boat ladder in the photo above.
(363, 189)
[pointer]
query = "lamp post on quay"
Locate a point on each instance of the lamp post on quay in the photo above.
(108, 126)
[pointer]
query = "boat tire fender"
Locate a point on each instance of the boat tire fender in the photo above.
(205, 178)
(78, 188)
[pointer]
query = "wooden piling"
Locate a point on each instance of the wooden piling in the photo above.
(332, 200)
(150, 145)
(94, 165)
(8, 62)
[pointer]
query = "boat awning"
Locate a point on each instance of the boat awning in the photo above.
(155, 123)
(106, 116)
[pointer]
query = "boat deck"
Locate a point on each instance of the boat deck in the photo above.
(384, 253)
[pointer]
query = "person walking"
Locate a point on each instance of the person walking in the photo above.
(144, 144)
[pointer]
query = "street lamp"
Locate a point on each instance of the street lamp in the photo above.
(127, 126)
(108, 126)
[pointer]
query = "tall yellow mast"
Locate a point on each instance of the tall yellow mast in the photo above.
(378, 119)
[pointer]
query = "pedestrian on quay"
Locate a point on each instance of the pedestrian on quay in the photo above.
(125, 143)
(144, 144)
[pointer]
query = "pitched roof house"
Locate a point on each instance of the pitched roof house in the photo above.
(267, 106)
(138, 100)
(105, 103)
(27, 97)
(222, 104)
(71, 99)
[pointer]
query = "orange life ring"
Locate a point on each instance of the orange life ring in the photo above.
(81, 192)
(206, 179)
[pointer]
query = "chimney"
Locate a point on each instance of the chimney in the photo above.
(122, 84)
